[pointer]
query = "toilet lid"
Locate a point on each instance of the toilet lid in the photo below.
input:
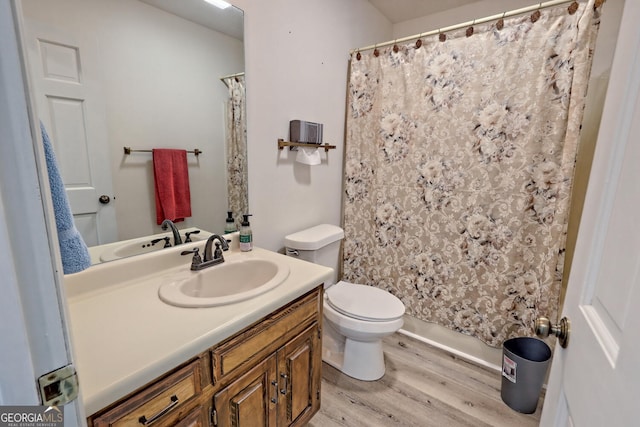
(364, 302)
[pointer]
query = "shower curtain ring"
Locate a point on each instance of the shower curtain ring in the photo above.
(419, 41)
(469, 31)
(500, 23)
(395, 46)
(375, 50)
(442, 37)
(573, 7)
(536, 15)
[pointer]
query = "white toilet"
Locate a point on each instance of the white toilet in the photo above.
(356, 317)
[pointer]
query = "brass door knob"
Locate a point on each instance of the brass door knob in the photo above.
(104, 199)
(544, 328)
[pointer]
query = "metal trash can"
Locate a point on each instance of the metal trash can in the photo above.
(524, 367)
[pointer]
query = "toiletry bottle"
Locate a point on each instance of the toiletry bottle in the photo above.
(230, 225)
(246, 236)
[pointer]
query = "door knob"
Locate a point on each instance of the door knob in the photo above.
(104, 199)
(544, 328)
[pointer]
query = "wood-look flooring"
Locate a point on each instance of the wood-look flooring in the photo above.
(423, 386)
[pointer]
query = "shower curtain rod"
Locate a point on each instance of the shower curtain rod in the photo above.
(223, 78)
(542, 5)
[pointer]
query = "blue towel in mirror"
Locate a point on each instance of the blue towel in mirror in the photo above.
(73, 250)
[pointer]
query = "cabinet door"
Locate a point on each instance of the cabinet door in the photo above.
(250, 400)
(198, 417)
(299, 376)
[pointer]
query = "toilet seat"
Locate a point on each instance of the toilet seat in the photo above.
(364, 302)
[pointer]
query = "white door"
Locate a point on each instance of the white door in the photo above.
(595, 381)
(33, 333)
(64, 75)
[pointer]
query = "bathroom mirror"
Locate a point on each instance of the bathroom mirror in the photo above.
(141, 74)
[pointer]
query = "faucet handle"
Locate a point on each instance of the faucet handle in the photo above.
(167, 242)
(217, 253)
(188, 235)
(196, 260)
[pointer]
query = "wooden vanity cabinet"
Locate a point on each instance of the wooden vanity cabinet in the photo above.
(283, 390)
(276, 365)
(268, 374)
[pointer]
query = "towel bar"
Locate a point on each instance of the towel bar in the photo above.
(129, 150)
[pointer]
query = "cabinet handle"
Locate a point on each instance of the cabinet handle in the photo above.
(274, 383)
(144, 421)
(285, 377)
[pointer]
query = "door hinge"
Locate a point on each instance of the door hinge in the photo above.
(58, 387)
(214, 417)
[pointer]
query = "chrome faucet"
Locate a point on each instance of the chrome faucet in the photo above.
(177, 240)
(211, 257)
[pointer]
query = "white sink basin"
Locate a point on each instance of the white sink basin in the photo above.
(235, 280)
(142, 246)
(131, 249)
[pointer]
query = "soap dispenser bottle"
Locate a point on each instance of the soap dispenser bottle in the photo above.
(246, 236)
(230, 224)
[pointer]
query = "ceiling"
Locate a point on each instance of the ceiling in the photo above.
(404, 10)
(228, 21)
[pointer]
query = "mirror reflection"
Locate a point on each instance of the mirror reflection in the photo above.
(133, 73)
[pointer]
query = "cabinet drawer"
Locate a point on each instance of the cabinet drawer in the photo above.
(257, 341)
(157, 400)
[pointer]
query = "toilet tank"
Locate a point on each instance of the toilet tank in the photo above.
(319, 245)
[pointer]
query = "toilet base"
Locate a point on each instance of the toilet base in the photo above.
(363, 360)
(360, 360)
(332, 346)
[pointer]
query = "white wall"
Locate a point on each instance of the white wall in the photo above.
(161, 90)
(458, 15)
(297, 55)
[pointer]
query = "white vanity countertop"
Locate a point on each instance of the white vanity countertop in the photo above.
(124, 336)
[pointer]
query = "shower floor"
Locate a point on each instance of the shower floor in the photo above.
(423, 386)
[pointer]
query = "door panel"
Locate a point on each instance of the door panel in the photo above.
(247, 400)
(299, 376)
(70, 142)
(595, 380)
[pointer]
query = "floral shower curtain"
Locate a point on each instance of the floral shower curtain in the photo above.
(237, 187)
(459, 162)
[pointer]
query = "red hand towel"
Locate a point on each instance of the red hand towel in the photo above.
(171, 174)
